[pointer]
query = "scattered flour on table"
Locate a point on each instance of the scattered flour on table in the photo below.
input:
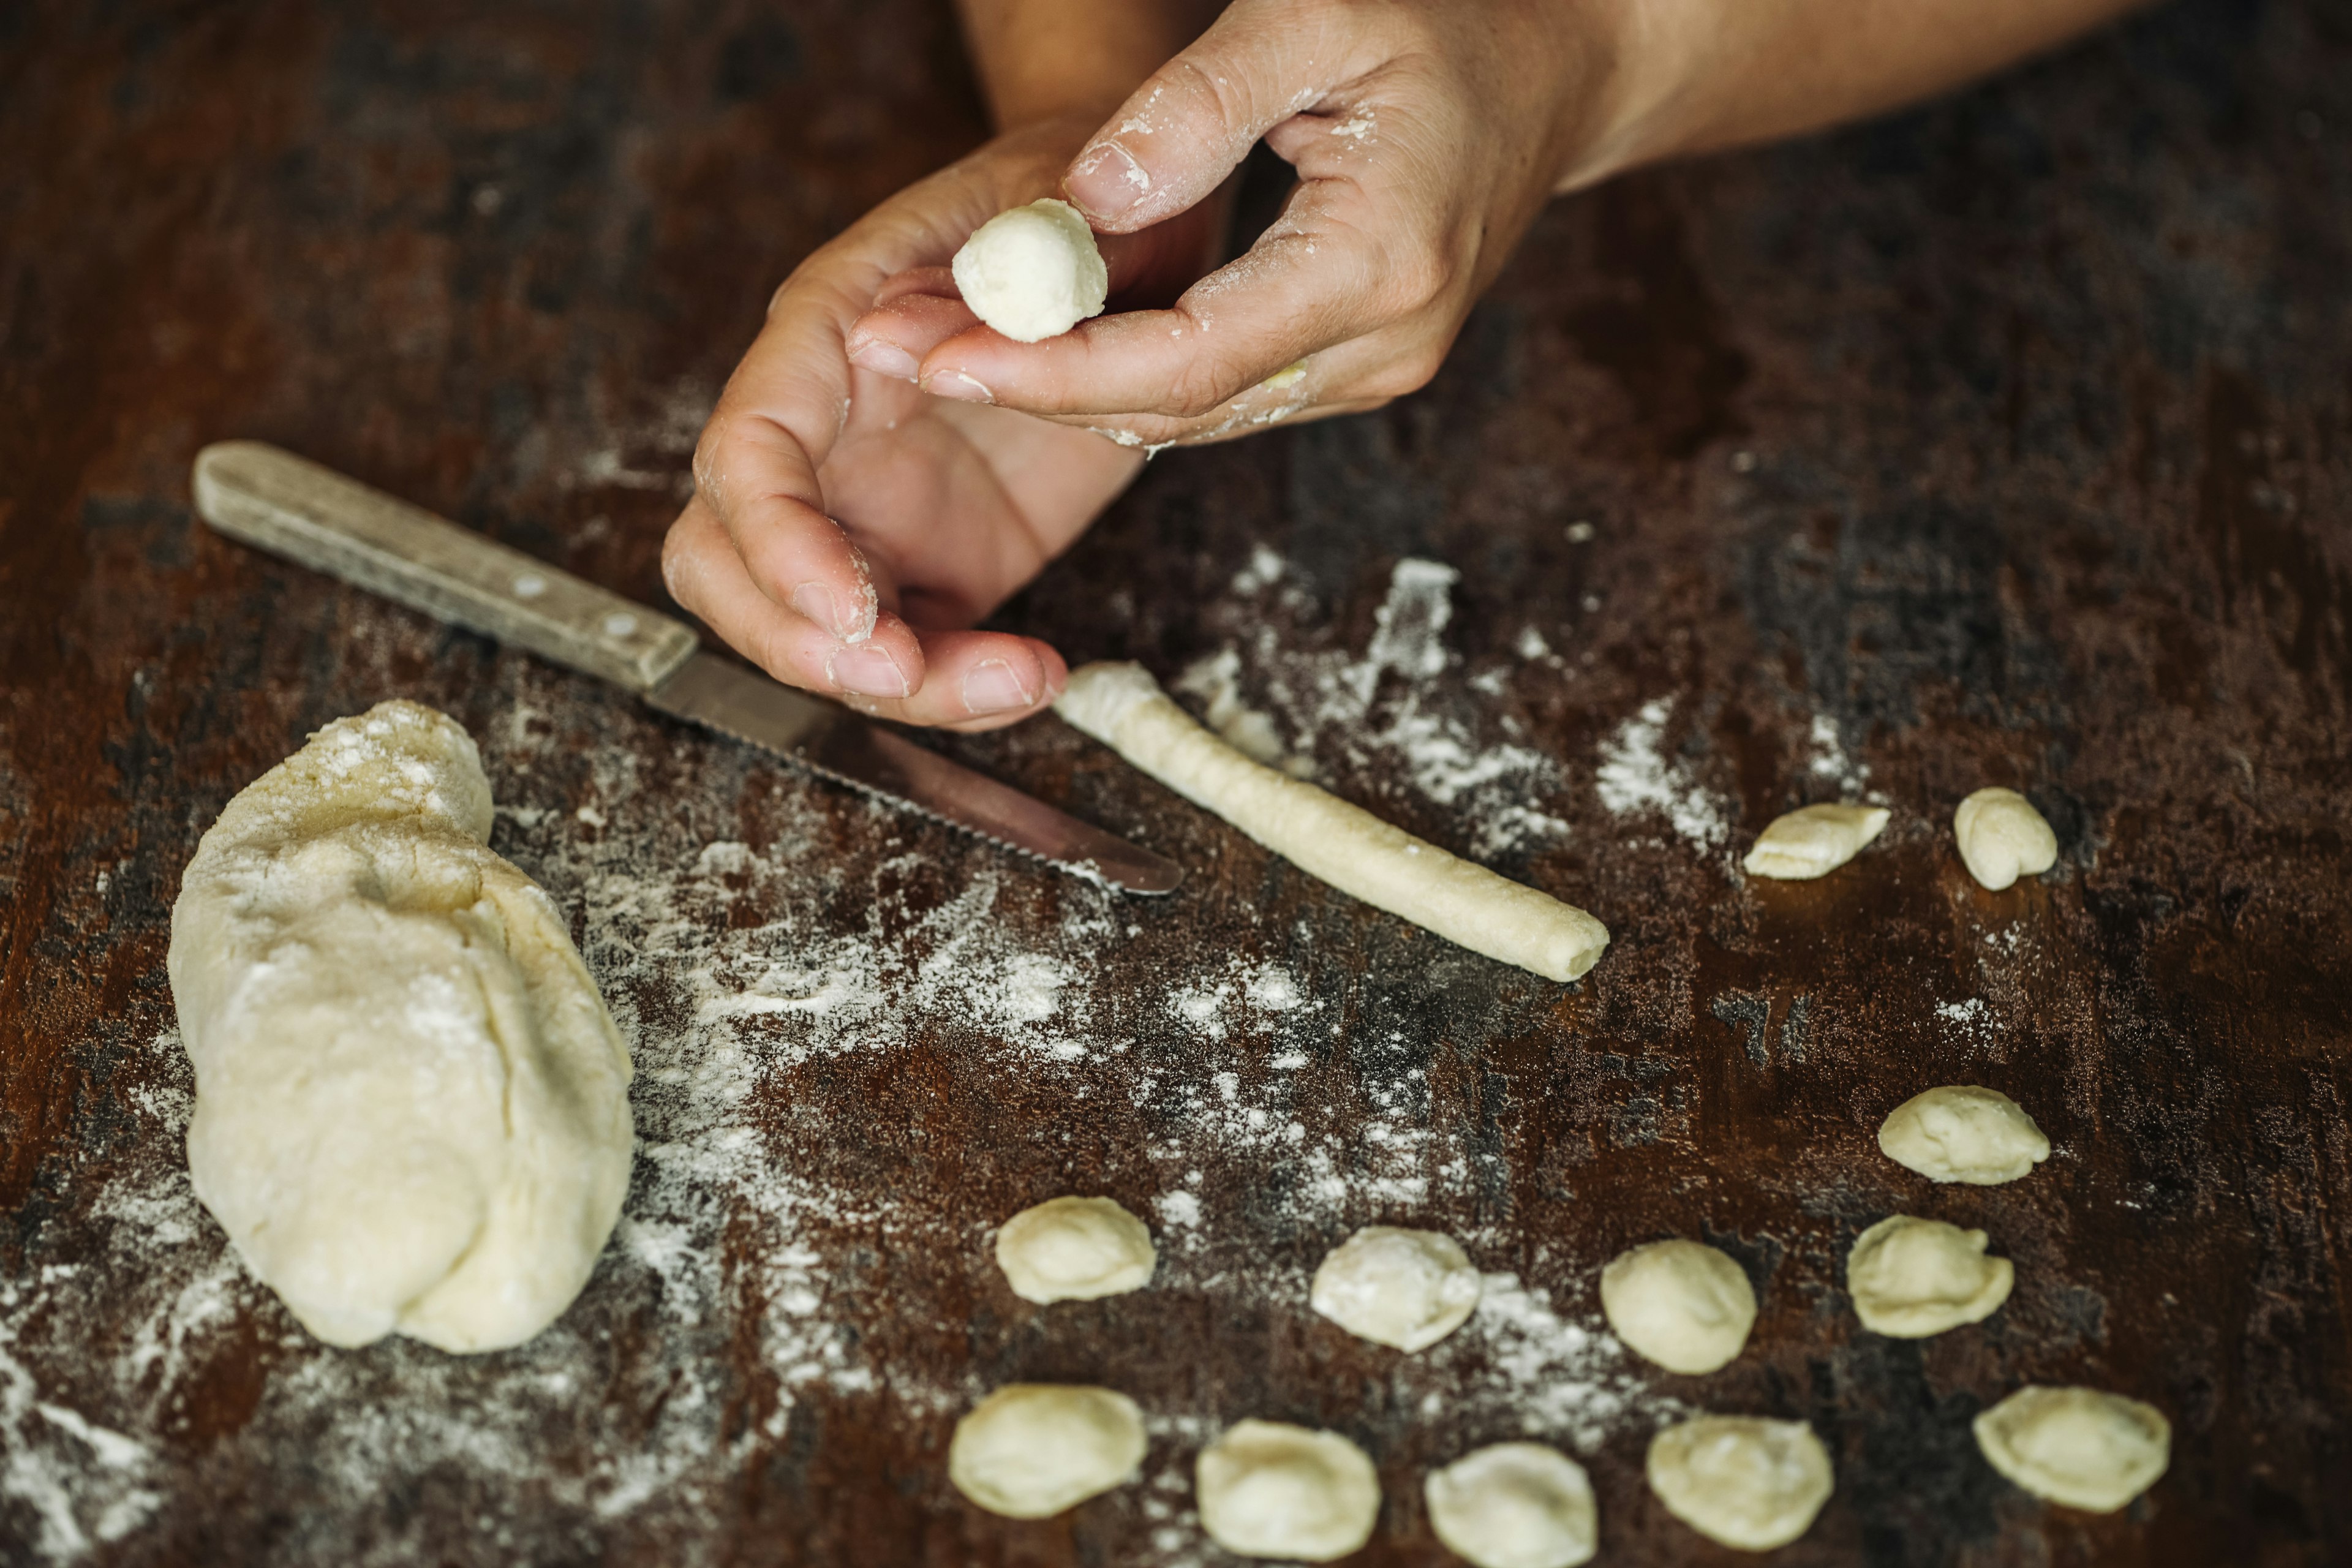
(1637, 778)
(1395, 711)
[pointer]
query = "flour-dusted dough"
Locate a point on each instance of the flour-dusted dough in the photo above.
(1813, 841)
(412, 1109)
(1742, 1481)
(1031, 1449)
(1271, 1490)
(1963, 1133)
(1409, 1289)
(1032, 272)
(1121, 705)
(1514, 1505)
(1687, 1307)
(2076, 1446)
(1911, 1278)
(1075, 1249)
(2002, 837)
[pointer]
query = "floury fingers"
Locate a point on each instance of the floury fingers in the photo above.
(1121, 705)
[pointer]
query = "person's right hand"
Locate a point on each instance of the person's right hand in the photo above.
(846, 528)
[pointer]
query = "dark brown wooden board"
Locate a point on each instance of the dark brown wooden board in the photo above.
(2005, 441)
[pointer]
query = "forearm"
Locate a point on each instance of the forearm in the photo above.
(1041, 59)
(1692, 76)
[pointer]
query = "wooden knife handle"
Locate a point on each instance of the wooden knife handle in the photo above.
(292, 507)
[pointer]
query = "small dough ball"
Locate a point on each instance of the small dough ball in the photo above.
(1271, 1490)
(2076, 1446)
(1409, 1289)
(1962, 1133)
(2002, 837)
(1075, 1249)
(1032, 272)
(1813, 841)
(1032, 1450)
(1688, 1307)
(1514, 1505)
(1741, 1479)
(1911, 1278)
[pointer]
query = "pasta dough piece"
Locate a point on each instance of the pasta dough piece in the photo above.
(1514, 1505)
(1271, 1490)
(1032, 272)
(1409, 1289)
(2079, 1447)
(1121, 705)
(2002, 837)
(1812, 841)
(412, 1109)
(1031, 1449)
(1962, 1133)
(1911, 1278)
(1742, 1481)
(1075, 1249)
(1687, 1307)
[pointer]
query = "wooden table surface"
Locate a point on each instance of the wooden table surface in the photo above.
(2009, 441)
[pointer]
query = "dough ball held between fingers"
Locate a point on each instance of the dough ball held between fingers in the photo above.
(1348, 847)
(1075, 1249)
(1031, 1449)
(1688, 1308)
(2001, 837)
(1034, 272)
(1409, 1289)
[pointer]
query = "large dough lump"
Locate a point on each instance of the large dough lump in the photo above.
(1032, 272)
(1121, 705)
(1409, 1289)
(1031, 1449)
(1271, 1490)
(1812, 841)
(1514, 1505)
(1962, 1133)
(411, 1110)
(1687, 1307)
(1911, 1278)
(2079, 1447)
(2002, 837)
(1075, 1249)
(1742, 1481)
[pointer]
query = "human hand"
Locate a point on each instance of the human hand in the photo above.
(1426, 136)
(846, 528)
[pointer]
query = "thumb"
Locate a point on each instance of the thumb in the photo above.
(1180, 134)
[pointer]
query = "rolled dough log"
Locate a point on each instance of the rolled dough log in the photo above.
(1121, 705)
(1032, 272)
(412, 1109)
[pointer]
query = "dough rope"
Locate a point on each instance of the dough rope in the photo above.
(1348, 847)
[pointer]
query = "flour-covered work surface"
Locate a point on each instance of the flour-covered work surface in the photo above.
(2000, 448)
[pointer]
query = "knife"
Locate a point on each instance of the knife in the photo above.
(313, 516)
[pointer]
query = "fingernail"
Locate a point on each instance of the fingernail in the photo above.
(869, 671)
(992, 686)
(956, 384)
(821, 604)
(883, 357)
(1107, 181)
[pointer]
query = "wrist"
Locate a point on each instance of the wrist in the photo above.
(1619, 79)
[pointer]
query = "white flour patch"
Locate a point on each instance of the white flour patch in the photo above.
(1635, 778)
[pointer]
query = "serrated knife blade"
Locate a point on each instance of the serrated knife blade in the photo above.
(310, 514)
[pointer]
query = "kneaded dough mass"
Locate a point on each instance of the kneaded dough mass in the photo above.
(412, 1109)
(1687, 1307)
(1075, 1249)
(1912, 1277)
(1514, 1505)
(2002, 837)
(1812, 841)
(1121, 705)
(2079, 1447)
(1962, 1133)
(1031, 1449)
(1409, 1289)
(1032, 272)
(1743, 1480)
(1267, 1488)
